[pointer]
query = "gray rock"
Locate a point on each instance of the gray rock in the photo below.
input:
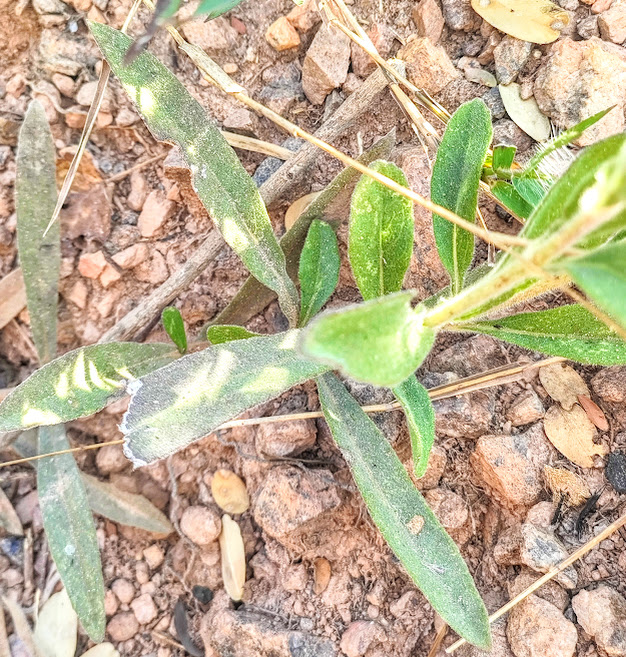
(602, 614)
(541, 550)
(493, 100)
(510, 56)
(506, 131)
(526, 408)
(459, 15)
(474, 355)
(588, 27)
(326, 64)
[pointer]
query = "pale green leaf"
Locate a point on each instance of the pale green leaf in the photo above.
(79, 383)
(454, 185)
(35, 199)
(221, 333)
(502, 159)
(569, 331)
(530, 189)
(222, 184)
(381, 341)
(190, 398)
(512, 199)
(381, 233)
(70, 530)
(420, 417)
(125, 508)
(175, 327)
(429, 555)
(319, 269)
(57, 627)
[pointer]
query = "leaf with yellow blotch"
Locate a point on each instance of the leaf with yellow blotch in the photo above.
(572, 433)
(563, 482)
(563, 384)
(233, 558)
(537, 21)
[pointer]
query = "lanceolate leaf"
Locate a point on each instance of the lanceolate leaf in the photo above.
(221, 182)
(79, 383)
(381, 341)
(429, 555)
(420, 417)
(512, 199)
(70, 530)
(227, 333)
(319, 269)
(602, 276)
(381, 233)
(568, 331)
(191, 397)
(35, 197)
(175, 327)
(128, 509)
(455, 181)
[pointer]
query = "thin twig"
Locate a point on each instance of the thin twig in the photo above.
(137, 167)
(575, 556)
(441, 635)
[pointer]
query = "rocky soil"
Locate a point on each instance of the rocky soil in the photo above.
(320, 579)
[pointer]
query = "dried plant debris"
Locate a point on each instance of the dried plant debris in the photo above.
(321, 575)
(229, 492)
(537, 21)
(616, 471)
(9, 519)
(297, 208)
(562, 482)
(102, 650)
(525, 112)
(182, 630)
(233, 558)
(563, 384)
(594, 412)
(57, 626)
(572, 433)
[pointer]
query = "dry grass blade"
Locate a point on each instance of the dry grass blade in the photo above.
(575, 556)
(21, 626)
(256, 145)
(233, 557)
(441, 635)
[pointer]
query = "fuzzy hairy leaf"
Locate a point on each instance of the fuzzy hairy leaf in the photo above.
(429, 555)
(79, 383)
(190, 398)
(420, 417)
(382, 341)
(222, 333)
(35, 198)
(569, 331)
(125, 508)
(602, 276)
(175, 327)
(454, 185)
(222, 184)
(319, 269)
(70, 530)
(381, 233)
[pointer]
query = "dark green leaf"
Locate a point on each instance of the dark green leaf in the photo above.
(454, 185)
(319, 269)
(382, 341)
(503, 158)
(601, 275)
(175, 327)
(511, 198)
(79, 383)
(191, 397)
(35, 198)
(420, 416)
(227, 333)
(222, 184)
(429, 555)
(70, 530)
(569, 331)
(381, 233)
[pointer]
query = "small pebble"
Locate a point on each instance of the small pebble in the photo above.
(124, 590)
(123, 626)
(201, 525)
(616, 471)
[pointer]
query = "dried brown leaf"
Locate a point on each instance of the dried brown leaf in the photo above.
(233, 558)
(297, 208)
(87, 174)
(563, 384)
(572, 433)
(12, 296)
(229, 492)
(8, 518)
(594, 412)
(321, 575)
(563, 482)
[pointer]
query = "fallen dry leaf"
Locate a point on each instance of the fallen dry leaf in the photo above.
(12, 296)
(563, 384)
(321, 575)
(563, 482)
(297, 208)
(537, 21)
(21, 626)
(233, 558)
(8, 517)
(525, 112)
(57, 626)
(229, 492)
(102, 650)
(572, 433)
(594, 412)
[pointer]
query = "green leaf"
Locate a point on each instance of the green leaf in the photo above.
(227, 333)
(381, 233)
(601, 275)
(70, 530)
(530, 189)
(382, 341)
(222, 184)
(429, 555)
(190, 398)
(79, 383)
(454, 185)
(35, 198)
(420, 416)
(569, 331)
(512, 199)
(175, 327)
(319, 269)
(125, 508)
(502, 159)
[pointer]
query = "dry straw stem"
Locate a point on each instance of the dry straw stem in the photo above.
(441, 635)
(575, 556)
(497, 376)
